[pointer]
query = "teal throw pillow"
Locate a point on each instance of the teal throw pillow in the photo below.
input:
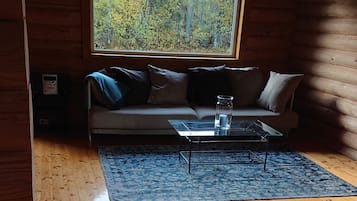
(107, 91)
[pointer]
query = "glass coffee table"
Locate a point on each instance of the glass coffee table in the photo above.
(203, 131)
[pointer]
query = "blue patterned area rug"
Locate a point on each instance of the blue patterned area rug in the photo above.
(156, 173)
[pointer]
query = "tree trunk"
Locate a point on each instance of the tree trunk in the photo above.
(109, 23)
(189, 15)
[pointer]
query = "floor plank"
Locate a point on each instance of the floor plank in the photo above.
(68, 169)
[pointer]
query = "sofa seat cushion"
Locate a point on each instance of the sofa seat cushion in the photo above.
(280, 121)
(138, 116)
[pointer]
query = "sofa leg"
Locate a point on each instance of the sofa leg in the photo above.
(89, 138)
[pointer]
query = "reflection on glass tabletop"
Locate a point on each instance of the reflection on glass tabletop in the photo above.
(205, 128)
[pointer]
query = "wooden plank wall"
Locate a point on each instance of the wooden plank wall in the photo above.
(15, 109)
(55, 45)
(59, 42)
(325, 49)
(267, 30)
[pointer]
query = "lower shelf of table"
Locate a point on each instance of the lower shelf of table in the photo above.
(222, 157)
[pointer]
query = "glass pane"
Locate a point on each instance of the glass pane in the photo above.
(169, 26)
(242, 128)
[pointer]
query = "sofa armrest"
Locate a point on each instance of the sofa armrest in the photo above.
(88, 100)
(88, 96)
(291, 104)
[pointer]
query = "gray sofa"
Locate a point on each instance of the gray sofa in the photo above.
(152, 119)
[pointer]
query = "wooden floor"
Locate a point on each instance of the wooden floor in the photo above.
(67, 169)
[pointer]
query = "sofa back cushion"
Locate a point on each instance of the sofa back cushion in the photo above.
(205, 83)
(167, 87)
(246, 83)
(278, 90)
(138, 82)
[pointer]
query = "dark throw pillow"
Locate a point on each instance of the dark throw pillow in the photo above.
(247, 84)
(106, 90)
(278, 90)
(167, 87)
(138, 82)
(205, 83)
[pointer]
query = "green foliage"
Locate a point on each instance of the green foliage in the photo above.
(197, 26)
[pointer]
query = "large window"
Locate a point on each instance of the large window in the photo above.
(194, 28)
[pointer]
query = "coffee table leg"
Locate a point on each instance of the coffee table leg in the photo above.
(265, 160)
(189, 159)
(179, 153)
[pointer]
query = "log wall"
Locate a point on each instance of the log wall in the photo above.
(325, 49)
(15, 106)
(55, 45)
(59, 42)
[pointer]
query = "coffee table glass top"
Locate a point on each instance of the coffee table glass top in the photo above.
(205, 128)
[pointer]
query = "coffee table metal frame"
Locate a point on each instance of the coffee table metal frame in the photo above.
(253, 131)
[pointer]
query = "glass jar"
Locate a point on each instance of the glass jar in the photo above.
(224, 108)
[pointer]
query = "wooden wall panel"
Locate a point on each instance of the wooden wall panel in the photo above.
(343, 105)
(335, 72)
(342, 9)
(14, 109)
(14, 120)
(267, 43)
(263, 14)
(331, 136)
(15, 117)
(331, 86)
(10, 10)
(10, 30)
(279, 4)
(327, 25)
(325, 49)
(70, 18)
(325, 55)
(55, 35)
(329, 116)
(12, 43)
(55, 45)
(15, 177)
(269, 29)
(331, 41)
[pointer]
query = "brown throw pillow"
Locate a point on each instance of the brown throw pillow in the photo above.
(138, 82)
(278, 91)
(167, 87)
(246, 83)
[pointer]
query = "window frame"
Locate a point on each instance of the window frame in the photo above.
(236, 41)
